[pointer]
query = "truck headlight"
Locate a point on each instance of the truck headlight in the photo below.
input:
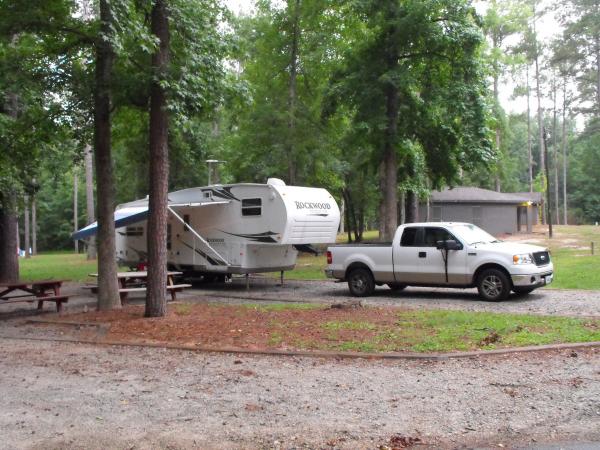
(525, 258)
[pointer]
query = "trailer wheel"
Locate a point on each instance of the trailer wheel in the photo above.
(493, 285)
(361, 282)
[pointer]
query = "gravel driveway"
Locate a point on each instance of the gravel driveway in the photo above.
(541, 301)
(62, 395)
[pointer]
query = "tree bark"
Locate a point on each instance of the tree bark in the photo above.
(412, 207)
(9, 260)
(75, 206)
(26, 227)
(540, 113)
(547, 171)
(108, 288)
(33, 225)
(291, 148)
(555, 153)
(156, 303)
(529, 152)
(89, 198)
(564, 151)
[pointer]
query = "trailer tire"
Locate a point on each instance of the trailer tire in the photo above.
(493, 285)
(361, 282)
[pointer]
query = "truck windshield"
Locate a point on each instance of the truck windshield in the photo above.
(472, 234)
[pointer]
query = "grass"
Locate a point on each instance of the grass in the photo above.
(425, 331)
(57, 265)
(575, 267)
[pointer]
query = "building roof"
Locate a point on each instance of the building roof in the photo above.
(478, 195)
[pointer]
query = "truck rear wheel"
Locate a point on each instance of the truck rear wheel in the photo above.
(360, 282)
(493, 285)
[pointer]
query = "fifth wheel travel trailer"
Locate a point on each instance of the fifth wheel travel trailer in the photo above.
(220, 230)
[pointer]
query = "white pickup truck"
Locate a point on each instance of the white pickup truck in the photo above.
(442, 254)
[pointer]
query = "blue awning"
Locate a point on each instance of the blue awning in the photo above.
(123, 217)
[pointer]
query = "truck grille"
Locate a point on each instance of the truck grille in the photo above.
(541, 258)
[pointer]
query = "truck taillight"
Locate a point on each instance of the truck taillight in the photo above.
(329, 257)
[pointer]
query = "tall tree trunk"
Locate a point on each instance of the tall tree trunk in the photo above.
(108, 288)
(26, 227)
(291, 148)
(75, 206)
(555, 153)
(390, 162)
(33, 225)
(412, 207)
(89, 198)
(539, 111)
(547, 171)
(497, 186)
(9, 260)
(156, 302)
(529, 151)
(564, 150)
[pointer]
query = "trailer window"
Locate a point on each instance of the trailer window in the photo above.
(251, 207)
(409, 237)
(186, 220)
(134, 231)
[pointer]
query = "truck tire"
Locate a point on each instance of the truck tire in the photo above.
(493, 285)
(361, 282)
(397, 287)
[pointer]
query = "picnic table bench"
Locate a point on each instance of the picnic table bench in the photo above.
(34, 291)
(135, 281)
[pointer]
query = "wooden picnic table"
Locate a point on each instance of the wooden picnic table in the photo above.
(135, 281)
(30, 291)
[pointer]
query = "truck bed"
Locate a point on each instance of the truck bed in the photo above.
(365, 244)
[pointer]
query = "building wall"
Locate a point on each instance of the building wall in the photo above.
(496, 219)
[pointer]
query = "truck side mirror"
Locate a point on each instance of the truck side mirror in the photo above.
(449, 244)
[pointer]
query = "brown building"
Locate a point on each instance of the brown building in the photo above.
(496, 212)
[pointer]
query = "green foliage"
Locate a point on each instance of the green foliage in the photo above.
(439, 76)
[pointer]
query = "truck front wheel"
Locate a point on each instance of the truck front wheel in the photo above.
(493, 285)
(360, 282)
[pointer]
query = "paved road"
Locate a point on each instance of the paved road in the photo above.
(542, 301)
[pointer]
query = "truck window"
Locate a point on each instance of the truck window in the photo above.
(409, 237)
(251, 207)
(432, 235)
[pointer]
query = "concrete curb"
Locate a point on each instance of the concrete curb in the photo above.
(320, 354)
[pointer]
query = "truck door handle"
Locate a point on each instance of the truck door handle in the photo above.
(422, 254)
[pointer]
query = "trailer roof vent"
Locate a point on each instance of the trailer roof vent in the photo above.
(275, 182)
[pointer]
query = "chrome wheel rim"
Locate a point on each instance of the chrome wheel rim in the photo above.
(358, 283)
(492, 286)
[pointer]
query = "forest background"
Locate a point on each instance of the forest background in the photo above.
(380, 102)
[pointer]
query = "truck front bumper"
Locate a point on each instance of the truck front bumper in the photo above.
(533, 280)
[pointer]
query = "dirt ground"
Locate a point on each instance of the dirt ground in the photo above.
(68, 395)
